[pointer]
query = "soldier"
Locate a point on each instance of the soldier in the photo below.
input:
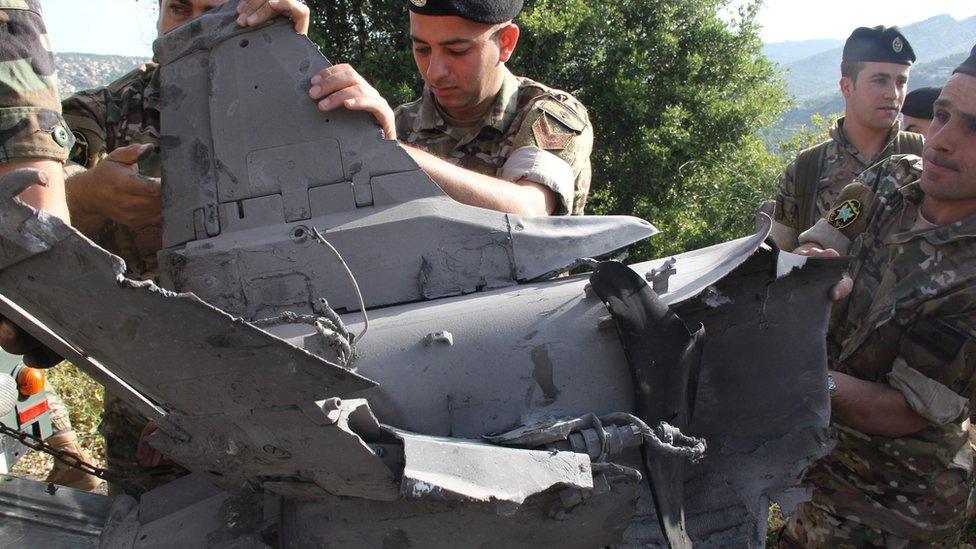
(917, 111)
(902, 346)
(34, 135)
(874, 76)
(113, 191)
(488, 138)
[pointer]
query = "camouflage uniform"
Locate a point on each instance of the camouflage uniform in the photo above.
(524, 114)
(31, 126)
(842, 162)
(104, 119)
(910, 323)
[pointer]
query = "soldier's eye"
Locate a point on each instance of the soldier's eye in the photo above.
(421, 50)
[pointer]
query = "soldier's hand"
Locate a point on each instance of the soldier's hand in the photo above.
(146, 455)
(255, 12)
(18, 342)
(342, 86)
(843, 288)
(115, 190)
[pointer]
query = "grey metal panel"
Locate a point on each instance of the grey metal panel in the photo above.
(256, 153)
(186, 150)
(32, 515)
(443, 469)
(540, 244)
(177, 350)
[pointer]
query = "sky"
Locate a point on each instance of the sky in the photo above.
(127, 27)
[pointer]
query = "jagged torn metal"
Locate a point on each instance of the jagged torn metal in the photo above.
(233, 402)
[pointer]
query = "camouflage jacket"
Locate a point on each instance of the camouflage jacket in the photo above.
(30, 115)
(841, 163)
(104, 119)
(910, 323)
(525, 113)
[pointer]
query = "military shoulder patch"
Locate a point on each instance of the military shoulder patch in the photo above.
(844, 214)
(563, 113)
(548, 139)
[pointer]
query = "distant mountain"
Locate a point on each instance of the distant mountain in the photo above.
(783, 53)
(81, 71)
(940, 43)
(933, 39)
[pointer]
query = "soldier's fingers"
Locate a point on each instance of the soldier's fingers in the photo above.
(294, 10)
(130, 154)
(842, 289)
(145, 186)
(261, 14)
(337, 78)
(337, 99)
(380, 110)
(246, 8)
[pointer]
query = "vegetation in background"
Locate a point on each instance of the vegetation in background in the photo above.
(677, 94)
(83, 397)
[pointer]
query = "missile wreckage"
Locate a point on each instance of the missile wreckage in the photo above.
(344, 356)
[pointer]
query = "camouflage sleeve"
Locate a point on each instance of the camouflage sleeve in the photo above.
(31, 126)
(786, 211)
(85, 112)
(562, 128)
(936, 369)
(859, 202)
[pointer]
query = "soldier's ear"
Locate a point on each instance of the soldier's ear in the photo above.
(846, 86)
(507, 37)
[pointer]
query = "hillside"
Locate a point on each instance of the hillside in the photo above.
(940, 43)
(934, 39)
(80, 71)
(784, 53)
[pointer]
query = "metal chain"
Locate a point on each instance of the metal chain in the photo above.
(68, 458)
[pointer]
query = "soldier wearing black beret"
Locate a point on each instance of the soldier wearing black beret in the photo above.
(874, 77)
(917, 111)
(489, 138)
(901, 347)
(487, 12)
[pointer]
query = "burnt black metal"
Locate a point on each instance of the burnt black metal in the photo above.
(664, 359)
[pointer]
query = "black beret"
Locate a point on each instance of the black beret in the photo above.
(969, 65)
(480, 11)
(918, 103)
(879, 44)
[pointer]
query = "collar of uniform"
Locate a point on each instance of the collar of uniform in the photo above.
(964, 228)
(500, 115)
(837, 134)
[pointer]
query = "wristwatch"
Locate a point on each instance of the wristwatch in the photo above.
(831, 384)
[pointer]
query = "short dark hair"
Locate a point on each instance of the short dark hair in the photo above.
(851, 69)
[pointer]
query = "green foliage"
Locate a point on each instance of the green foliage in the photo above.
(677, 94)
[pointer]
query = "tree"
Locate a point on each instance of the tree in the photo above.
(678, 91)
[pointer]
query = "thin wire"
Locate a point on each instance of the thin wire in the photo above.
(352, 278)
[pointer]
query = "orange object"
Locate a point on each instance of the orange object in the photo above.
(30, 381)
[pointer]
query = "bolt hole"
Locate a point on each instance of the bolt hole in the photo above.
(299, 232)
(144, 536)
(244, 43)
(255, 87)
